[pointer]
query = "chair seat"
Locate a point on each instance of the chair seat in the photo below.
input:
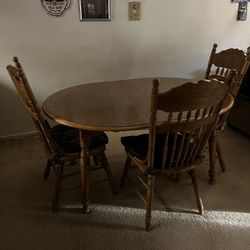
(68, 141)
(137, 146)
(218, 77)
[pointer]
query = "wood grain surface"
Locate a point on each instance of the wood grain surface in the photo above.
(106, 106)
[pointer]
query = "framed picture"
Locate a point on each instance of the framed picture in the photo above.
(95, 10)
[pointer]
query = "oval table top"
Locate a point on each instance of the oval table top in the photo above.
(107, 106)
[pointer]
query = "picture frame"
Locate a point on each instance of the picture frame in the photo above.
(95, 10)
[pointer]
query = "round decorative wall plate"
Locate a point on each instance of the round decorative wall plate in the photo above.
(55, 7)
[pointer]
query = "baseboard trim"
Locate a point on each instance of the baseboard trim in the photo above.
(19, 135)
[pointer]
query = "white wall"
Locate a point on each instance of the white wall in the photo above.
(174, 38)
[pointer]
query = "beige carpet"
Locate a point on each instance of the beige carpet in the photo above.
(117, 221)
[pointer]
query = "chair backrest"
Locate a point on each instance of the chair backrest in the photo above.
(190, 114)
(221, 63)
(24, 90)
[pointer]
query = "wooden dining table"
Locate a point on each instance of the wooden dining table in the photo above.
(121, 105)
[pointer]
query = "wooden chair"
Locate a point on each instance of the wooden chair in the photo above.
(61, 143)
(176, 145)
(219, 66)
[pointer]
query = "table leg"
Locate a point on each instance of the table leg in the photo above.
(212, 156)
(84, 169)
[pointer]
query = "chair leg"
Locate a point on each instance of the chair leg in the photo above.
(59, 174)
(150, 191)
(220, 156)
(47, 169)
(125, 172)
(196, 191)
(212, 155)
(105, 165)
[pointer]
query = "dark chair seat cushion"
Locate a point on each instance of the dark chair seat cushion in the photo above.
(68, 141)
(137, 146)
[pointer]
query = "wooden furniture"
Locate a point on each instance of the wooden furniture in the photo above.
(176, 144)
(219, 67)
(61, 143)
(98, 107)
(105, 106)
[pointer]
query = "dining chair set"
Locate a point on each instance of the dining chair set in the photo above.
(193, 115)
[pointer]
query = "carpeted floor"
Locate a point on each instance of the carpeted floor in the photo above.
(117, 221)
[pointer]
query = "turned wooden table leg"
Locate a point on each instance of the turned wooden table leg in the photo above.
(84, 169)
(212, 155)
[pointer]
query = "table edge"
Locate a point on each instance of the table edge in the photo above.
(93, 128)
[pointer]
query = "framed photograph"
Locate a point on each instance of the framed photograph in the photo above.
(95, 10)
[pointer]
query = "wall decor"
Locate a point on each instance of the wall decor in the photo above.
(95, 10)
(55, 7)
(242, 11)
